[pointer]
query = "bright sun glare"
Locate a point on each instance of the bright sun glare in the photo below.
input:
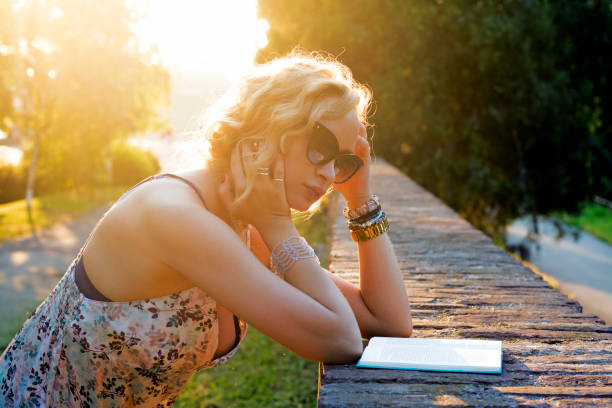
(216, 37)
(207, 45)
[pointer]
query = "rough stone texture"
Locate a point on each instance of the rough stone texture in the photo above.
(462, 285)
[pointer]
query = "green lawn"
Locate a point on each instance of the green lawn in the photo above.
(262, 373)
(593, 218)
(48, 209)
(10, 327)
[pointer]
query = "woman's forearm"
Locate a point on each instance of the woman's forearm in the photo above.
(338, 328)
(382, 286)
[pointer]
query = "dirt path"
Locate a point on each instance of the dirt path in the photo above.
(29, 269)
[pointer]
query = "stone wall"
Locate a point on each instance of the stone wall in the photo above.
(461, 285)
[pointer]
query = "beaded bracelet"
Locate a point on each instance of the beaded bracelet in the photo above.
(367, 216)
(376, 217)
(287, 252)
(369, 206)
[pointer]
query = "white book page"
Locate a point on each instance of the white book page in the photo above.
(433, 353)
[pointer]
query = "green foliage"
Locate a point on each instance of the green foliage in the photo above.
(592, 218)
(130, 164)
(12, 181)
(500, 108)
(314, 225)
(78, 78)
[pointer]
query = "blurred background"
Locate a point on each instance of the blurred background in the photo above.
(502, 109)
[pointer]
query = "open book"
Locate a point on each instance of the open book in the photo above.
(461, 355)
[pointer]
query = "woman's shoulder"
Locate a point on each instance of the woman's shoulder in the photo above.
(172, 209)
(171, 189)
(150, 211)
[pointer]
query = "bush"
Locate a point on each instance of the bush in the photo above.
(13, 183)
(499, 108)
(131, 164)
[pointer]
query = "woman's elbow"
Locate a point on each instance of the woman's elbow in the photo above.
(344, 351)
(401, 328)
(404, 329)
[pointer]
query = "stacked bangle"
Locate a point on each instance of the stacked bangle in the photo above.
(372, 231)
(372, 204)
(364, 223)
(367, 221)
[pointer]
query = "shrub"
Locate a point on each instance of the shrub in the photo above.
(500, 108)
(130, 164)
(13, 183)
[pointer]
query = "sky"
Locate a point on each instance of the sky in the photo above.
(206, 45)
(205, 37)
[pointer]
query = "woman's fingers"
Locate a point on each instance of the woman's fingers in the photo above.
(277, 178)
(237, 172)
(362, 147)
(278, 170)
(226, 193)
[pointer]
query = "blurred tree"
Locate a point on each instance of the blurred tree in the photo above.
(494, 106)
(6, 66)
(80, 79)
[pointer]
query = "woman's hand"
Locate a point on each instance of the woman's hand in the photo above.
(357, 189)
(266, 203)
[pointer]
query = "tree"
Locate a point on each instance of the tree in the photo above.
(494, 106)
(80, 79)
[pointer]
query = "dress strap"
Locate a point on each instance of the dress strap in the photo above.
(174, 176)
(154, 177)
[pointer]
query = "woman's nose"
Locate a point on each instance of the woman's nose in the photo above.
(327, 171)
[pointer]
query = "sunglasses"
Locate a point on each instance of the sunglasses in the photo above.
(323, 148)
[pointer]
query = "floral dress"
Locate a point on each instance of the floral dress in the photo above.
(77, 352)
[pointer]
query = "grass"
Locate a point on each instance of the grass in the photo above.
(263, 373)
(593, 218)
(9, 327)
(51, 208)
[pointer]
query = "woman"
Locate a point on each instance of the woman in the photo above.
(155, 292)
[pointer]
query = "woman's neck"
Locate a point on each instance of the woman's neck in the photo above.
(211, 182)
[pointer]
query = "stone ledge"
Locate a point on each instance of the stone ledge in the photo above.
(461, 285)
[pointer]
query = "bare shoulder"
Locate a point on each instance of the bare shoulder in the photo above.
(171, 214)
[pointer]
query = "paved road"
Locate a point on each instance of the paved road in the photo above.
(29, 269)
(581, 263)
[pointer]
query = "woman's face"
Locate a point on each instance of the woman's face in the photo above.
(305, 182)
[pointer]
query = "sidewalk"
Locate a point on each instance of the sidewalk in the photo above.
(29, 269)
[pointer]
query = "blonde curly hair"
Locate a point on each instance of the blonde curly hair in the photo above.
(278, 101)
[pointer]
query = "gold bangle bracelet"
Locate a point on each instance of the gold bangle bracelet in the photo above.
(370, 232)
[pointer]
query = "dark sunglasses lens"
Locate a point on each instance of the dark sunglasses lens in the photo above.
(345, 166)
(322, 146)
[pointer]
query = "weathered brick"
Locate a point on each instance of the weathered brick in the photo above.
(462, 285)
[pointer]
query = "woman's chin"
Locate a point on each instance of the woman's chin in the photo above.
(301, 205)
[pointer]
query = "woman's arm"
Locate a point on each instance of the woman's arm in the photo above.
(389, 311)
(309, 316)
(380, 302)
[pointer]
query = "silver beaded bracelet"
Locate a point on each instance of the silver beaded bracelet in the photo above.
(370, 205)
(286, 252)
